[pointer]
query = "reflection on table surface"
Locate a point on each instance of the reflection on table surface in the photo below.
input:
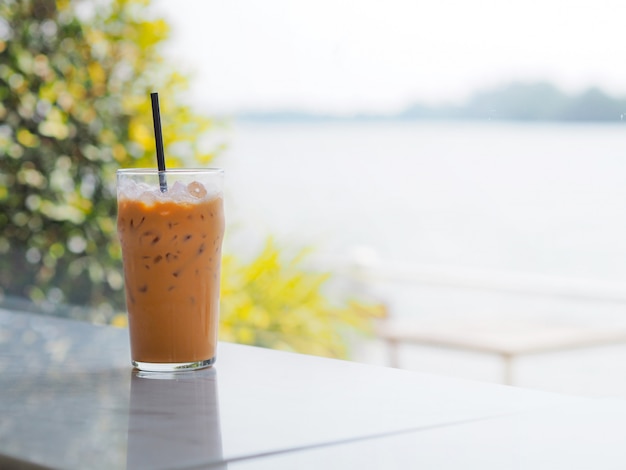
(173, 418)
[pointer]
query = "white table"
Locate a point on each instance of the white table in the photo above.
(69, 399)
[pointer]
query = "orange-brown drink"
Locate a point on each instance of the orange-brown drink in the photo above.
(171, 237)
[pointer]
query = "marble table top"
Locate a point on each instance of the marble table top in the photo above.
(70, 399)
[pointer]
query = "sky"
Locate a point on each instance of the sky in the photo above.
(350, 56)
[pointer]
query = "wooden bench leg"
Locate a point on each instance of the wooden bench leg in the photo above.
(507, 378)
(394, 355)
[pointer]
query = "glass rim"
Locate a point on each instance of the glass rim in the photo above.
(172, 171)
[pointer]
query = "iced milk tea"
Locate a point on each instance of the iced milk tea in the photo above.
(171, 247)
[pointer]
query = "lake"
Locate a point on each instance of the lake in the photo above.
(538, 199)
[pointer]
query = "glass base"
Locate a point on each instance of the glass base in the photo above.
(173, 366)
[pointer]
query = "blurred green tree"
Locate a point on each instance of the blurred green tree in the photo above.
(75, 78)
(73, 109)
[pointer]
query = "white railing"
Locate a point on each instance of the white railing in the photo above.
(365, 266)
(493, 280)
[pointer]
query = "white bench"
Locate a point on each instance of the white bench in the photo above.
(505, 337)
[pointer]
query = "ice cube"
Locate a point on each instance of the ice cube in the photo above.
(133, 190)
(178, 192)
(196, 190)
(148, 197)
(128, 189)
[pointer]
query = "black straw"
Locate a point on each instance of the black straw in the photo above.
(158, 136)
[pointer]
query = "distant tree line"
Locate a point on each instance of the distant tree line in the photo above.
(528, 102)
(516, 101)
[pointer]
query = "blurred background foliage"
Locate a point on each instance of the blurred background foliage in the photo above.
(275, 303)
(75, 79)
